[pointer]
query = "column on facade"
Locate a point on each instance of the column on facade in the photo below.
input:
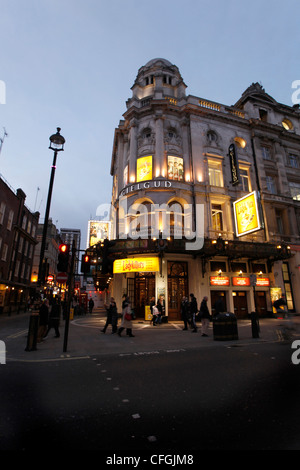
(120, 161)
(186, 146)
(159, 164)
(125, 158)
(132, 151)
(283, 187)
(121, 219)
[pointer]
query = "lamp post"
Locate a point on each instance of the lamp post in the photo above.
(57, 144)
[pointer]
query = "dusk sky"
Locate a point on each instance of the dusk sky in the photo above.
(71, 64)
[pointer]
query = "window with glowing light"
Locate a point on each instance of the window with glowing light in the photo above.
(215, 173)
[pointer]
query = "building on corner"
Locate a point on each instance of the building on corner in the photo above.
(205, 197)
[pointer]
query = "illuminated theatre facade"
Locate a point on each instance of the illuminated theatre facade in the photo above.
(187, 167)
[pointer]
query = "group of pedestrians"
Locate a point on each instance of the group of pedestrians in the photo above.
(157, 310)
(49, 317)
(112, 317)
(190, 314)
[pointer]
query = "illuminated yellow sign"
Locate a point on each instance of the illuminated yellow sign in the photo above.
(144, 168)
(246, 214)
(131, 265)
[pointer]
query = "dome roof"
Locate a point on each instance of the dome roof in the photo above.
(152, 62)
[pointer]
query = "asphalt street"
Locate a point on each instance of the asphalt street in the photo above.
(165, 391)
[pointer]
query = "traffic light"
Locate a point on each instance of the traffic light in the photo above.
(85, 264)
(107, 262)
(63, 258)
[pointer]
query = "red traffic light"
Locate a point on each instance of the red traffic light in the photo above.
(85, 264)
(63, 248)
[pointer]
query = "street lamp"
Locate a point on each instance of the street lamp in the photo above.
(57, 144)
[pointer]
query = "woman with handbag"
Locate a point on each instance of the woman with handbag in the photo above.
(126, 317)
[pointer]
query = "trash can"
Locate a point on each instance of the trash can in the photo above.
(32, 332)
(225, 327)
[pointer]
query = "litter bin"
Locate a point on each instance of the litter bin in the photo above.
(225, 327)
(32, 332)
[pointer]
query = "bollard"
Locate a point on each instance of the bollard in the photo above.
(32, 332)
(254, 325)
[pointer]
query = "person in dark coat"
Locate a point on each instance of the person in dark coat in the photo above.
(112, 316)
(205, 316)
(91, 305)
(54, 318)
(185, 312)
(193, 311)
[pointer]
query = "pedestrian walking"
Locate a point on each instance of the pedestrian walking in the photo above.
(126, 317)
(43, 320)
(54, 317)
(185, 312)
(160, 310)
(152, 305)
(112, 316)
(205, 316)
(91, 305)
(193, 311)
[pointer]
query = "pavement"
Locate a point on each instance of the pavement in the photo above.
(84, 339)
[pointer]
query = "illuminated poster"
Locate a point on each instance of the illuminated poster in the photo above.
(263, 282)
(175, 168)
(246, 214)
(134, 265)
(144, 168)
(241, 281)
(219, 281)
(97, 231)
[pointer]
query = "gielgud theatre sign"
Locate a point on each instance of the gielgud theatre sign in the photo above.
(163, 184)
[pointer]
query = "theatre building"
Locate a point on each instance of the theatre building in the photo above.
(205, 199)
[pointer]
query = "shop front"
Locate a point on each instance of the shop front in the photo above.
(146, 278)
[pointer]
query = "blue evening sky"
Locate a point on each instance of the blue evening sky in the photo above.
(71, 64)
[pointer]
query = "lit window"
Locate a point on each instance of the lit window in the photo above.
(215, 173)
(217, 217)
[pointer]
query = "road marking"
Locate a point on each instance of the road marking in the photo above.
(16, 335)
